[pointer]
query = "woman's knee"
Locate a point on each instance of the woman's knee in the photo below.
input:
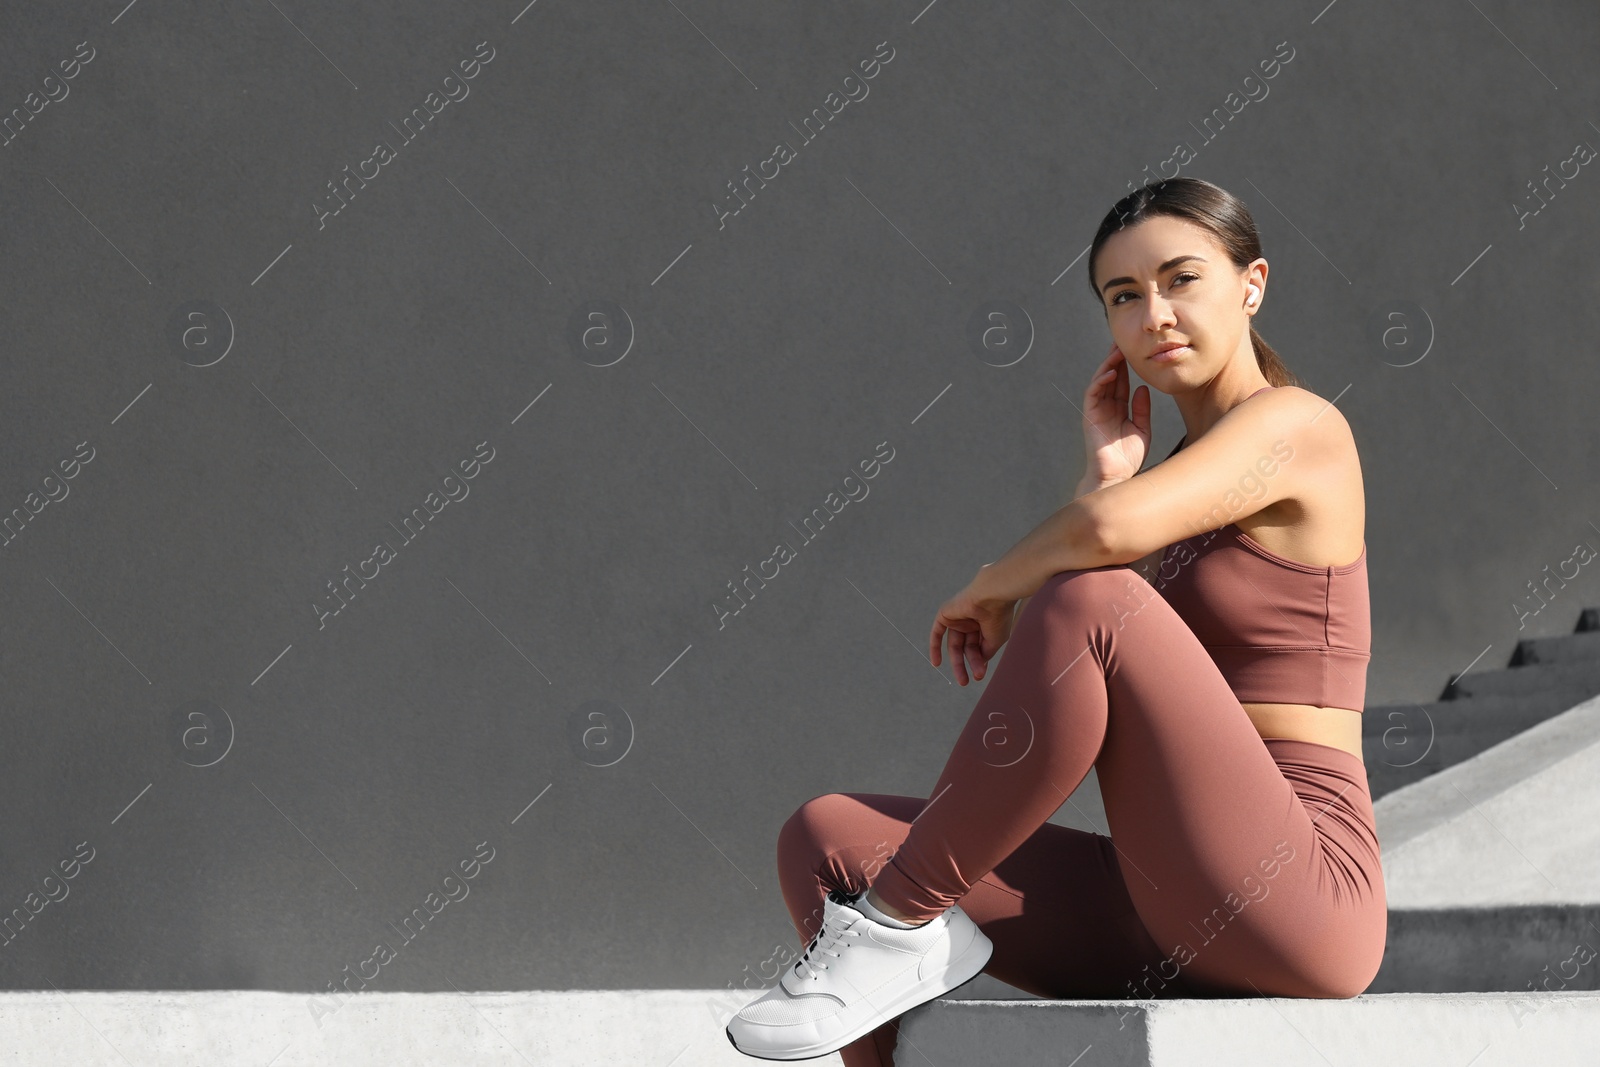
(805, 833)
(1117, 588)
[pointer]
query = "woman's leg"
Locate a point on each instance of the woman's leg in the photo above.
(1056, 909)
(1222, 858)
(1210, 832)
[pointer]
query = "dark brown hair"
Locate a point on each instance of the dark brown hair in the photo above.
(1216, 210)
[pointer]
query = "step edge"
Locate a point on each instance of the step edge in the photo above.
(1405, 814)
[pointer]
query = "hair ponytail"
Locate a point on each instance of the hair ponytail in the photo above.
(1271, 366)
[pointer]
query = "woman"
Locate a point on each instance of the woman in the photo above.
(1218, 700)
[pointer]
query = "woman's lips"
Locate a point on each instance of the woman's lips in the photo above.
(1170, 354)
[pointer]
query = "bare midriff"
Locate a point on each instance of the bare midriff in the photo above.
(1338, 727)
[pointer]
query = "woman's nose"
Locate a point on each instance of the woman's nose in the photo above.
(1159, 317)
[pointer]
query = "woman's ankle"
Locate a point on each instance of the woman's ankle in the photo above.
(890, 910)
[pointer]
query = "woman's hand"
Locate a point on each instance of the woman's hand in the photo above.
(978, 625)
(1115, 444)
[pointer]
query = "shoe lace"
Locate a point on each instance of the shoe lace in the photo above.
(831, 937)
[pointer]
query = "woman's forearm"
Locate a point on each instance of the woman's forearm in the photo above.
(1062, 542)
(1090, 484)
(1036, 557)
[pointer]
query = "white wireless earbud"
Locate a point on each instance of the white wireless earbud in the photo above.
(1254, 292)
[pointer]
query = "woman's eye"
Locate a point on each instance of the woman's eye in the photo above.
(1128, 292)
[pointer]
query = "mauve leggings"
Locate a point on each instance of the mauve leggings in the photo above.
(1235, 866)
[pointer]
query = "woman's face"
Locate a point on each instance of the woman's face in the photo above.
(1167, 280)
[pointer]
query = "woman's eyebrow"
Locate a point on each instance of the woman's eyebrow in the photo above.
(1168, 265)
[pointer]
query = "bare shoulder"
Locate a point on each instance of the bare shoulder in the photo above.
(1308, 422)
(1292, 398)
(1323, 423)
(1323, 521)
(1283, 458)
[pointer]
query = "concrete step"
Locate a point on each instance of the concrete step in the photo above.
(1406, 743)
(1512, 825)
(1383, 1030)
(1402, 744)
(683, 1028)
(1580, 645)
(1494, 949)
(1512, 948)
(1532, 679)
(1492, 866)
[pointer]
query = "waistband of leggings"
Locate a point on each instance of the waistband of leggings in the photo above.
(1325, 758)
(1334, 783)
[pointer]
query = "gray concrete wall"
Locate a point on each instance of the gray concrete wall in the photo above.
(540, 322)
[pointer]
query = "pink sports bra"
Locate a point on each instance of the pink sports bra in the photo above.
(1280, 631)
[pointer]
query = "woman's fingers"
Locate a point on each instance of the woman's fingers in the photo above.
(974, 652)
(943, 629)
(973, 635)
(975, 655)
(1113, 372)
(1103, 386)
(1106, 364)
(963, 646)
(957, 662)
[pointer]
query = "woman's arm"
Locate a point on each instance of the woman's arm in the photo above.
(1275, 447)
(1090, 483)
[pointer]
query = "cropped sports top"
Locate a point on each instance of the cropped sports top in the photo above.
(1280, 631)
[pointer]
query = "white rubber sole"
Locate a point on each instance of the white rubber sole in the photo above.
(962, 970)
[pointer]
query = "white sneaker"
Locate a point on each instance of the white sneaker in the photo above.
(856, 975)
